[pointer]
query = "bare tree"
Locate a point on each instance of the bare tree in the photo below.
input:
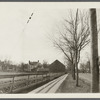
(69, 57)
(69, 54)
(45, 64)
(74, 38)
(88, 63)
(94, 51)
(85, 67)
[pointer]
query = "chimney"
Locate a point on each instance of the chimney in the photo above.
(29, 61)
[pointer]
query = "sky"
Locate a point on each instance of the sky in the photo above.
(21, 42)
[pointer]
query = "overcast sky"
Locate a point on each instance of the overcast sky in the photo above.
(23, 42)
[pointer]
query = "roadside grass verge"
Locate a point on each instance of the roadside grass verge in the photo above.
(69, 86)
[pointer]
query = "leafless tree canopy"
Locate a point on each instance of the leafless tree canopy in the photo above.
(74, 36)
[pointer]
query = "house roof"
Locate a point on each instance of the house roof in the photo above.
(33, 63)
(57, 66)
(56, 63)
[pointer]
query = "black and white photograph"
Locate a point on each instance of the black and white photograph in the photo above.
(49, 48)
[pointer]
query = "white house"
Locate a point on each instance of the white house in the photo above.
(33, 65)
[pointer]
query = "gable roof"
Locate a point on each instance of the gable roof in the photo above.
(57, 62)
(33, 63)
(57, 66)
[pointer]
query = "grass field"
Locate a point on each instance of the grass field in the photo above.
(69, 86)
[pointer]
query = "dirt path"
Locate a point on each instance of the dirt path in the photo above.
(69, 86)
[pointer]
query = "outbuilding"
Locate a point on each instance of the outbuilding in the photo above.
(56, 67)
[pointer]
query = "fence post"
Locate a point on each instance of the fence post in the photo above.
(36, 78)
(12, 84)
(28, 80)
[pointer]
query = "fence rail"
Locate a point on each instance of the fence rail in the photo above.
(18, 82)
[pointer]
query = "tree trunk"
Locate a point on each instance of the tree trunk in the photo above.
(74, 73)
(76, 65)
(94, 52)
(72, 69)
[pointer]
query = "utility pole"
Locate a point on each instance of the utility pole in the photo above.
(76, 51)
(94, 51)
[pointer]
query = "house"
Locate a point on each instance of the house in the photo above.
(33, 65)
(56, 67)
(10, 68)
(26, 67)
(43, 70)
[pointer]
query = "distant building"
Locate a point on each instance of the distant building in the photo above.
(0, 67)
(57, 66)
(6, 66)
(10, 68)
(42, 70)
(26, 67)
(33, 65)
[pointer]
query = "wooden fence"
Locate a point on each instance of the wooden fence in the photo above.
(17, 82)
